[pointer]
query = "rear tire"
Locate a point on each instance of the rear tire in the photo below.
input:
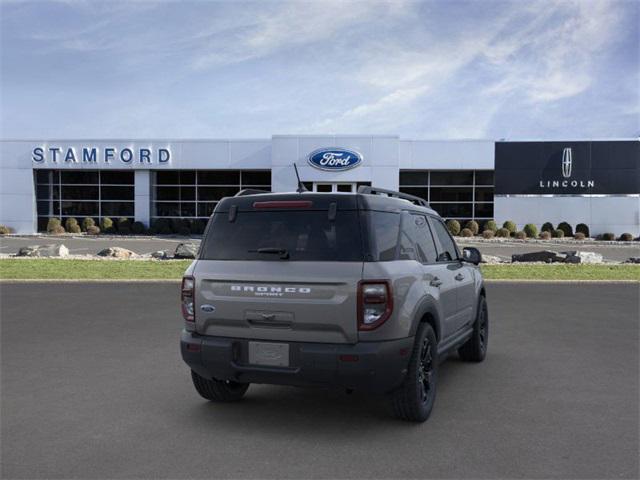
(218, 390)
(414, 399)
(475, 349)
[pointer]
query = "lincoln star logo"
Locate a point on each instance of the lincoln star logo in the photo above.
(334, 159)
(567, 160)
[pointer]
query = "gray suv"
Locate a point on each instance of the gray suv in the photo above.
(363, 291)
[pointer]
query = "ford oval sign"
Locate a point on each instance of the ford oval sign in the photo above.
(334, 159)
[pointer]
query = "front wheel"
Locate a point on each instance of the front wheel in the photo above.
(414, 399)
(218, 390)
(475, 349)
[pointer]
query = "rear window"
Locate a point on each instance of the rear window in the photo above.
(305, 235)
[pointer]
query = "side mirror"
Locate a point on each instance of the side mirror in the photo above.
(471, 255)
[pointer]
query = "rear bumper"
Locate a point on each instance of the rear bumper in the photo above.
(369, 366)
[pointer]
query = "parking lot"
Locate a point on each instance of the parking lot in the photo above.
(93, 387)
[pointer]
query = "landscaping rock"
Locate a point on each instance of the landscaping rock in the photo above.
(160, 255)
(491, 259)
(583, 257)
(546, 256)
(53, 250)
(116, 252)
(632, 260)
(186, 250)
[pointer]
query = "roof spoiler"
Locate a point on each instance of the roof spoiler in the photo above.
(367, 190)
(250, 191)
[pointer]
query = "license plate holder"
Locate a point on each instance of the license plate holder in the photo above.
(269, 354)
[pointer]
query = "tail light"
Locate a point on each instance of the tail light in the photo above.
(375, 303)
(187, 296)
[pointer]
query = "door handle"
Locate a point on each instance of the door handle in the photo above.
(459, 277)
(435, 282)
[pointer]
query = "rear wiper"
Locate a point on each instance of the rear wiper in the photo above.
(284, 254)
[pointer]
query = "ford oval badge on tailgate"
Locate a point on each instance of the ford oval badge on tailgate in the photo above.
(207, 308)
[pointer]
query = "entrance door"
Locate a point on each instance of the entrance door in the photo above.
(334, 187)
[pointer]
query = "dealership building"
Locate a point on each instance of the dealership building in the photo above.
(596, 182)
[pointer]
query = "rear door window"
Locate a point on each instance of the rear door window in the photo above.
(447, 250)
(306, 235)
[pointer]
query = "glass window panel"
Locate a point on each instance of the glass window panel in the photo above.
(362, 184)
(448, 250)
(187, 193)
(452, 177)
(42, 176)
(168, 178)
(484, 194)
(117, 177)
(117, 209)
(256, 178)
(323, 188)
(414, 178)
(205, 209)
(484, 210)
(79, 209)
(43, 191)
(56, 208)
(449, 194)
(219, 177)
(216, 193)
(484, 177)
(56, 192)
(453, 210)
(116, 193)
(187, 177)
(42, 223)
(421, 192)
(167, 209)
(80, 192)
(89, 177)
(43, 208)
(168, 193)
(187, 209)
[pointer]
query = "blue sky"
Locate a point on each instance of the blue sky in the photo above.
(422, 70)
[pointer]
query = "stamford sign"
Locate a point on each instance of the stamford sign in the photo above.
(95, 155)
(334, 159)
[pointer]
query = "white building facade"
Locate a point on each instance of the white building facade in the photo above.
(145, 180)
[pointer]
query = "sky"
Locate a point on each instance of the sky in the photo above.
(420, 70)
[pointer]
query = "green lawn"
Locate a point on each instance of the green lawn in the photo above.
(52, 269)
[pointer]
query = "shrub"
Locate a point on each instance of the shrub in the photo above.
(4, 230)
(566, 228)
(531, 230)
(473, 226)
(124, 226)
(52, 224)
(198, 226)
(546, 235)
(608, 236)
(138, 228)
(521, 235)
(509, 225)
(93, 230)
(106, 225)
(466, 232)
(488, 234)
(547, 227)
(74, 228)
(583, 228)
(70, 222)
(557, 233)
(579, 236)
(491, 225)
(160, 226)
(88, 222)
(453, 226)
(503, 233)
(57, 230)
(626, 237)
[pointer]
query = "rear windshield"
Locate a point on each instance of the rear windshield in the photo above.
(304, 235)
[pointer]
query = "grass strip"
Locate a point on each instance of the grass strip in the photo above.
(65, 269)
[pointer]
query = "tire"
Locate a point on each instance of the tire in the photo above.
(475, 349)
(217, 390)
(414, 399)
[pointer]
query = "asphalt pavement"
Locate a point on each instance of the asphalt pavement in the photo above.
(93, 386)
(92, 245)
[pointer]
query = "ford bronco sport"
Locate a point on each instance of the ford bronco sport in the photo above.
(359, 290)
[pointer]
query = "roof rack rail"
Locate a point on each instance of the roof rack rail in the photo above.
(250, 191)
(391, 193)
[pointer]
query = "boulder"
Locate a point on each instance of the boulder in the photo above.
(546, 256)
(583, 257)
(116, 252)
(632, 260)
(186, 250)
(160, 255)
(52, 250)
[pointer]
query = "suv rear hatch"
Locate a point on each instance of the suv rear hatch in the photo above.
(281, 269)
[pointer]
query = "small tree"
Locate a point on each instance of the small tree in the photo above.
(466, 232)
(531, 230)
(566, 228)
(607, 236)
(509, 225)
(503, 233)
(4, 230)
(124, 226)
(546, 235)
(106, 225)
(488, 234)
(557, 233)
(473, 226)
(88, 222)
(626, 237)
(93, 230)
(453, 226)
(521, 235)
(547, 227)
(583, 228)
(53, 224)
(491, 225)
(579, 236)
